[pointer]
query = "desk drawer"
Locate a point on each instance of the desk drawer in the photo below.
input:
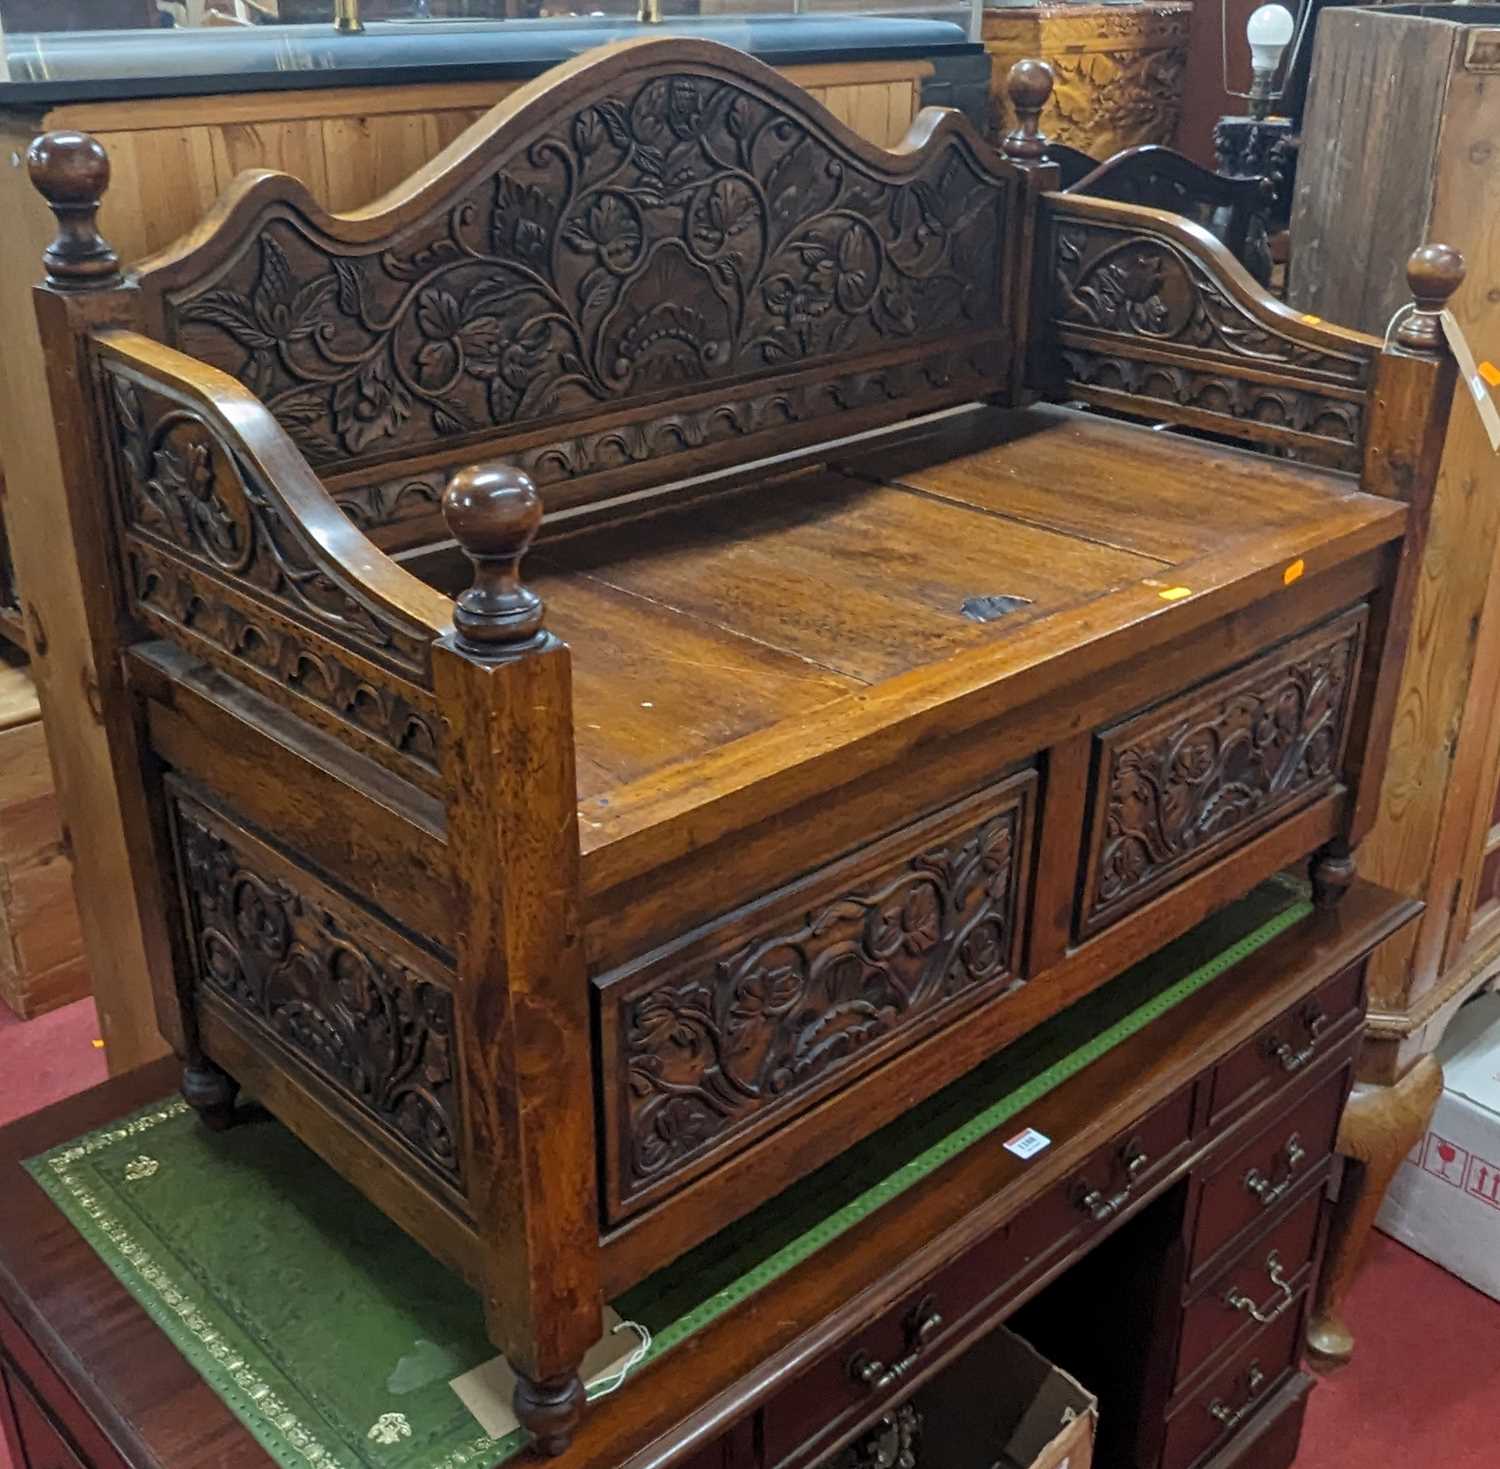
(1231, 1399)
(1288, 1047)
(1187, 780)
(1244, 1188)
(741, 1026)
(1258, 1288)
(850, 1384)
(41, 1445)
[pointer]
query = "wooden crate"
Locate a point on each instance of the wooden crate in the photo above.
(41, 948)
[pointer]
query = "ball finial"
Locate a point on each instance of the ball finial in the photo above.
(1434, 273)
(494, 512)
(71, 172)
(1029, 85)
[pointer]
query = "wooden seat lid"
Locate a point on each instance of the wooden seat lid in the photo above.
(702, 623)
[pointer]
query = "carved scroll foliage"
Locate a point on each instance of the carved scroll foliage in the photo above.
(682, 230)
(1139, 315)
(1185, 780)
(1144, 285)
(290, 961)
(409, 495)
(705, 1052)
(182, 489)
(179, 598)
(210, 553)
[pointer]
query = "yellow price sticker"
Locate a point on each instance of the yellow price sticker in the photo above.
(1490, 373)
(1174, 594)
(1293, 572)
(1310, 319)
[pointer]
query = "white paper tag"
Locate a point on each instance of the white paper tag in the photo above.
(1479, 388)
(1028, 1144)
(486, 1390)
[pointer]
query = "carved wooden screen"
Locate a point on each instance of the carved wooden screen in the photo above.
(662, 255)
(1151, 316)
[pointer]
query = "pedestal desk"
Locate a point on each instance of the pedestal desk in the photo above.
(1161, 1248)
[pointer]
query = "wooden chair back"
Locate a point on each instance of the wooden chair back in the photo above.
(659, 260)
(1232, 209)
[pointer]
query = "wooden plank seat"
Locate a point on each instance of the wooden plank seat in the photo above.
(701, 623)
(857, 708)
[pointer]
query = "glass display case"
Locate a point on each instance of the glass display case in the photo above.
(51, 49)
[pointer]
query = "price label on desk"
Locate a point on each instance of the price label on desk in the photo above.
(1028, 1144)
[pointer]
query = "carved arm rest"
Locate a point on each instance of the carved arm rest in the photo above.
(1151, 315)
(232, 548)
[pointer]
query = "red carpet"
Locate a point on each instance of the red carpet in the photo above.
(1423, 1391)
(46, 1059)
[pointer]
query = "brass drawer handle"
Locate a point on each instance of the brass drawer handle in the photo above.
(1100, 1208)
(1233, 1417)
(1293, 1061)
(1269, 1193)
(1237, 1300)
(922, 1325)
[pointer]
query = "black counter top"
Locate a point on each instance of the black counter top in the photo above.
(47, 69)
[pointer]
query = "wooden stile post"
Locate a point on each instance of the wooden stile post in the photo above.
(523, 1007)
(1408, 424)
(1029, 86)
(61, 539)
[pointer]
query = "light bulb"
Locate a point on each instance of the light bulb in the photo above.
(1269, 32)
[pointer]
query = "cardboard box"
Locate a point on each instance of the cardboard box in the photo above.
(1005, 1406)
(1445, 1200)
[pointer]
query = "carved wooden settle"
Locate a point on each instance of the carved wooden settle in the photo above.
(405, 891)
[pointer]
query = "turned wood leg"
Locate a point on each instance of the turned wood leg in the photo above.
(1331, 871)
(210, 1092)
(1381, 1125)
(550, 1409)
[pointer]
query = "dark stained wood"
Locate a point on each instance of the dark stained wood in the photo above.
(1136, 317)
(624, 295)
(97, 1361)
(887, 671)
(652, 684)
(1232, 208)
(700, 1050)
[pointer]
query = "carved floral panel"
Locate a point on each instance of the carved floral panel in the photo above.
(286, 957)
(1182, 783)
(1138, 315)
(676, 231)
(715, 1042)
(214, 562)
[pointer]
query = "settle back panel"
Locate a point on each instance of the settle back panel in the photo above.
(565, 994)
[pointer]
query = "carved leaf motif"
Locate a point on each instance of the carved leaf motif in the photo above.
(213, 562)
(682, 229)
(1137, 284)
(704, 1055)
(1185, 783)
(362, 1019)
